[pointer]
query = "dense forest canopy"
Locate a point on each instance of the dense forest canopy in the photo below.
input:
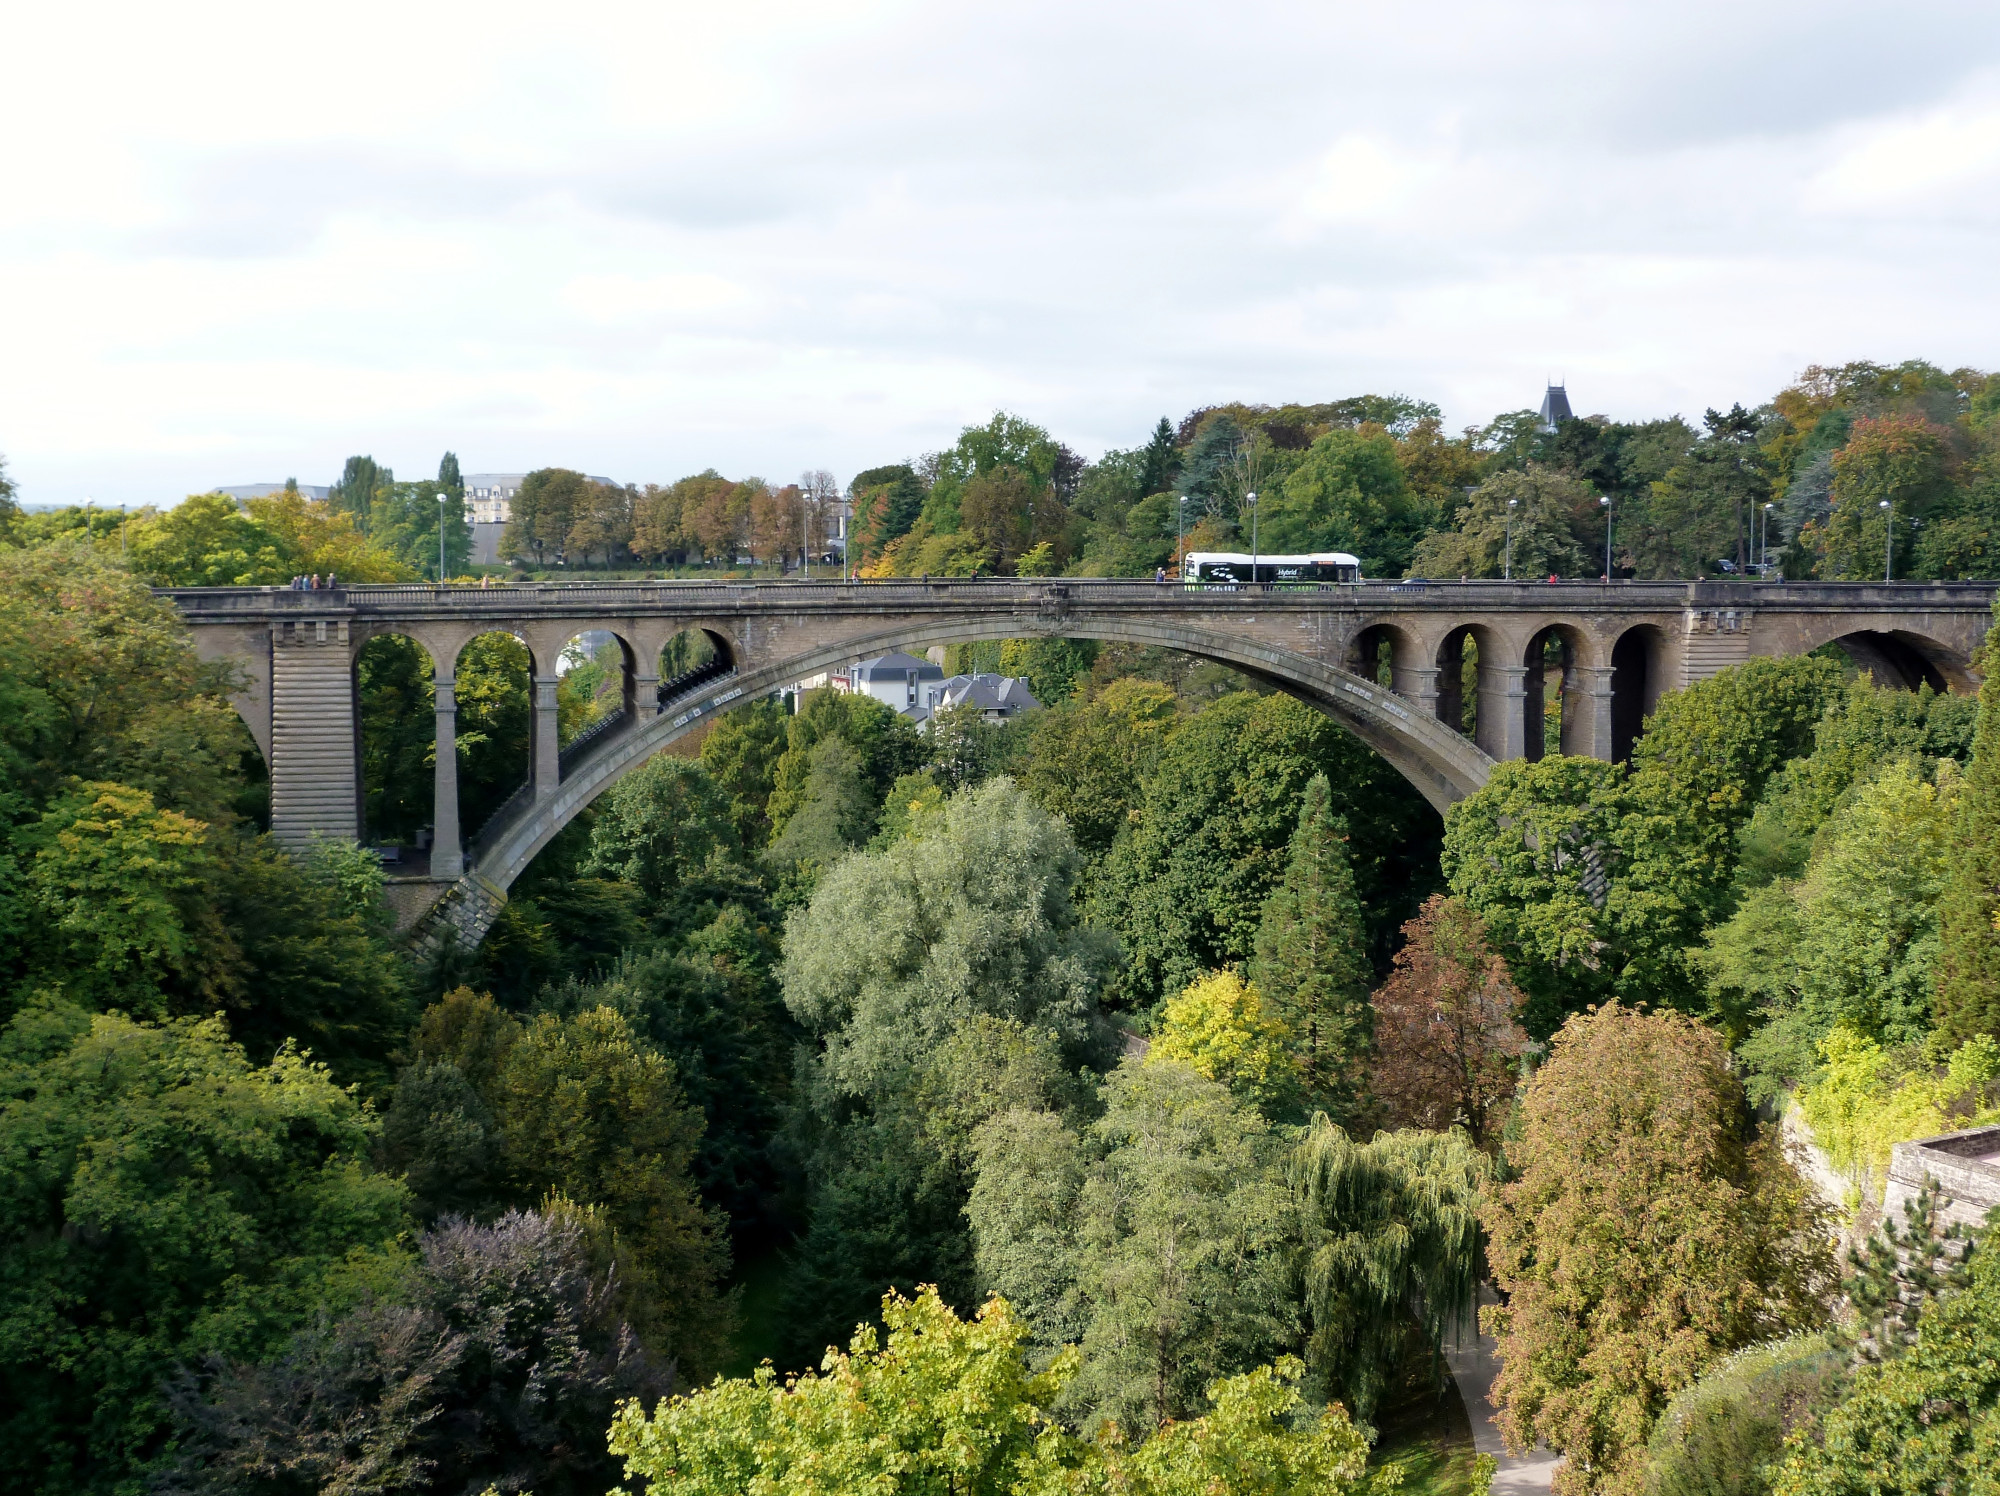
(1134, 1092)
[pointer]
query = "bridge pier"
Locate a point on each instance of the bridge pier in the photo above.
(548, 744)
(645, 698)
(1418, 685)
(315, 733)
(1501, 729)
(447, 847)
(1588, 703)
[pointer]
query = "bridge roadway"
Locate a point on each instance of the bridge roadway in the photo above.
(1392, 662)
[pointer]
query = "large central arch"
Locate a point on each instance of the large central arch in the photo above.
(1443, 765)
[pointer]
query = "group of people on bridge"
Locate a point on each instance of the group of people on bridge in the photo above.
(312, 583)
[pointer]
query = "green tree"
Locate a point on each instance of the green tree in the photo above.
(405, 519)
(1312, 957)
(741, 755)
(1649, 1231)
(885, 741)
(1699, 512)
(163, 1200)
(946, 1406)
(1900, 461)
(836, 816)
(589, 1112)
(973, 916)
(1595, 884)
(449, 478)
(1389, 1230)
(544, 509)
(970, 915)
(120, 883)
(360, 480)
(1928, 1421)
(206, 541)
(1709, 751)
(1862, 727)
(1186, 890)
(666, 830)
(395, 693)
(1968, 994)
(1159, 1234)
(495, 722)
(1087, 760)
(1347, 494)
(1548, 515)
(1726, 1434)
(1053, 668)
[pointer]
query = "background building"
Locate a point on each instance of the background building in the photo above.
(243, 491)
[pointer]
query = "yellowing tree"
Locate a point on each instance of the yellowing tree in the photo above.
(1221, 1028)
(1650, 1232)
(948, 1408)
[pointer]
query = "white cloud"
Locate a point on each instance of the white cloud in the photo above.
(1945, 158)
(239, 241)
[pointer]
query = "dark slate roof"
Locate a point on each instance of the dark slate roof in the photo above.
(989, 693)
(1555, 407)
(896, 666)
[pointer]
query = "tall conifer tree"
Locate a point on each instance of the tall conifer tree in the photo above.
(1311, 963)
(359, 482)
(1968, 984)
(449, 477)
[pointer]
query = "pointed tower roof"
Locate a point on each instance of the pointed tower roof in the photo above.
(1555, 407)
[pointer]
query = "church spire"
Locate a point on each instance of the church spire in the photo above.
(1555, 408)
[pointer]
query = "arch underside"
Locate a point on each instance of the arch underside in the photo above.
(1443, 765)
(1895, 653)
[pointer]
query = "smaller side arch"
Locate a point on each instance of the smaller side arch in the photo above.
(1638, 679)
(1560, 690)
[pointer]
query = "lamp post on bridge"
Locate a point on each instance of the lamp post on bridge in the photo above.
(1605, 500)
(1251, 500)
(1507, 570)
(444, 496)
(1889, 541)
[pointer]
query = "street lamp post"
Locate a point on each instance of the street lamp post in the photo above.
(1507, 570)
(1766, 550)
(1251, 500)
(1605, 500)
(1889, 542)
(444, 497)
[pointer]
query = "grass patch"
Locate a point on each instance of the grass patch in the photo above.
(1430, 1437)
(759, 1315)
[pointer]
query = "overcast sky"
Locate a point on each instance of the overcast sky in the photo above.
(239, 242)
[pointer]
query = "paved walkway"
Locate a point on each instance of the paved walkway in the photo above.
(1474, 1366)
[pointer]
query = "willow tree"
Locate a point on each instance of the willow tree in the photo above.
(1388, 1238)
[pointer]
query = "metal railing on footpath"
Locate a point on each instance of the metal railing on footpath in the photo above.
(608, 728)
(491, 828)
(609, 725)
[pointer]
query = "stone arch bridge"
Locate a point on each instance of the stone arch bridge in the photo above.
(1444, 680)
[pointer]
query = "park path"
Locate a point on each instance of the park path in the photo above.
(1475, 1364)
